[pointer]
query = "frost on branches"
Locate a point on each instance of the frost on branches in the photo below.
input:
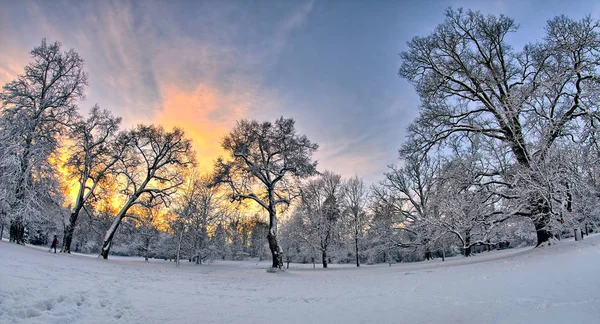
(92, 158)
(149, 171)
(471, 81)
(36, 110)
(263, 162)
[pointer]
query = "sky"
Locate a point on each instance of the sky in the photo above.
(203, 65)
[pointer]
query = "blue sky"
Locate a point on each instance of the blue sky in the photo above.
(202, 65)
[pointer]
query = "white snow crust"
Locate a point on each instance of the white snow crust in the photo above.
(555, 284)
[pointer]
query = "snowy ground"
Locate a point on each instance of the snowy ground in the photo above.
(557, 284)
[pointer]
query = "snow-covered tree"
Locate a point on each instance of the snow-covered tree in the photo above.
(150, 171)
(35, 111)
(386, 233)
(404, 198)
(355, 213)
(198, 208)
(95, 151)
(390, 236)
(219, 240)
(464, 207)
(471, 81)
(263, 161)
(259, 229)
(320, 211)
(146, 232)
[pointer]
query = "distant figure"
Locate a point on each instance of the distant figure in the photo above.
(54, 244)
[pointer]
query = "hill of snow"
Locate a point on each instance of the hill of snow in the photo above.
(556, 284)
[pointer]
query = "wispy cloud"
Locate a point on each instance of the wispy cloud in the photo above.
(202, 65)
(153, 62)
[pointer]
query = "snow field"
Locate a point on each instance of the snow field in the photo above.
(556, 284)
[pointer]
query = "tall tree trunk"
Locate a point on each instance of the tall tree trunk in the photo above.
(542, 217)
(69, 229)
(2, 223)
(17, 231)
(179, 247)
(468, 244)
(198, 253)
(539, 206)
(543, 235)
(324, 258)
(146, 248)
(541, 230)
(276, 250)
(356, 246)
(569, 198)
(110, 233)
(108, 237)
(17, 224)
(203, 238)
(11, 232)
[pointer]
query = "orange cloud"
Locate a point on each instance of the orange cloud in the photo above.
(205, 114)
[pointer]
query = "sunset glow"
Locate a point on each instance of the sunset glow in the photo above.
(203, 65)
(200, 114)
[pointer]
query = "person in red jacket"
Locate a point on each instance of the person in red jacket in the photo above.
(54, 244)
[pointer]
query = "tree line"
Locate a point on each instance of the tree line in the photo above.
(504, 152)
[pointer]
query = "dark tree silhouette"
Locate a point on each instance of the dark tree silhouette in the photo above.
(263, 160)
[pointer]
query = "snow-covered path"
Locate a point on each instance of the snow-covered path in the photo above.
(557, 284)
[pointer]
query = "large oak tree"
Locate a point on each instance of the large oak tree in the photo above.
(470, 80)
(35, 111)
(92, 157)
(262, 162)
(150, 171)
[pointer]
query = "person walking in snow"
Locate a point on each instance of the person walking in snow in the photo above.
(54, 244)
